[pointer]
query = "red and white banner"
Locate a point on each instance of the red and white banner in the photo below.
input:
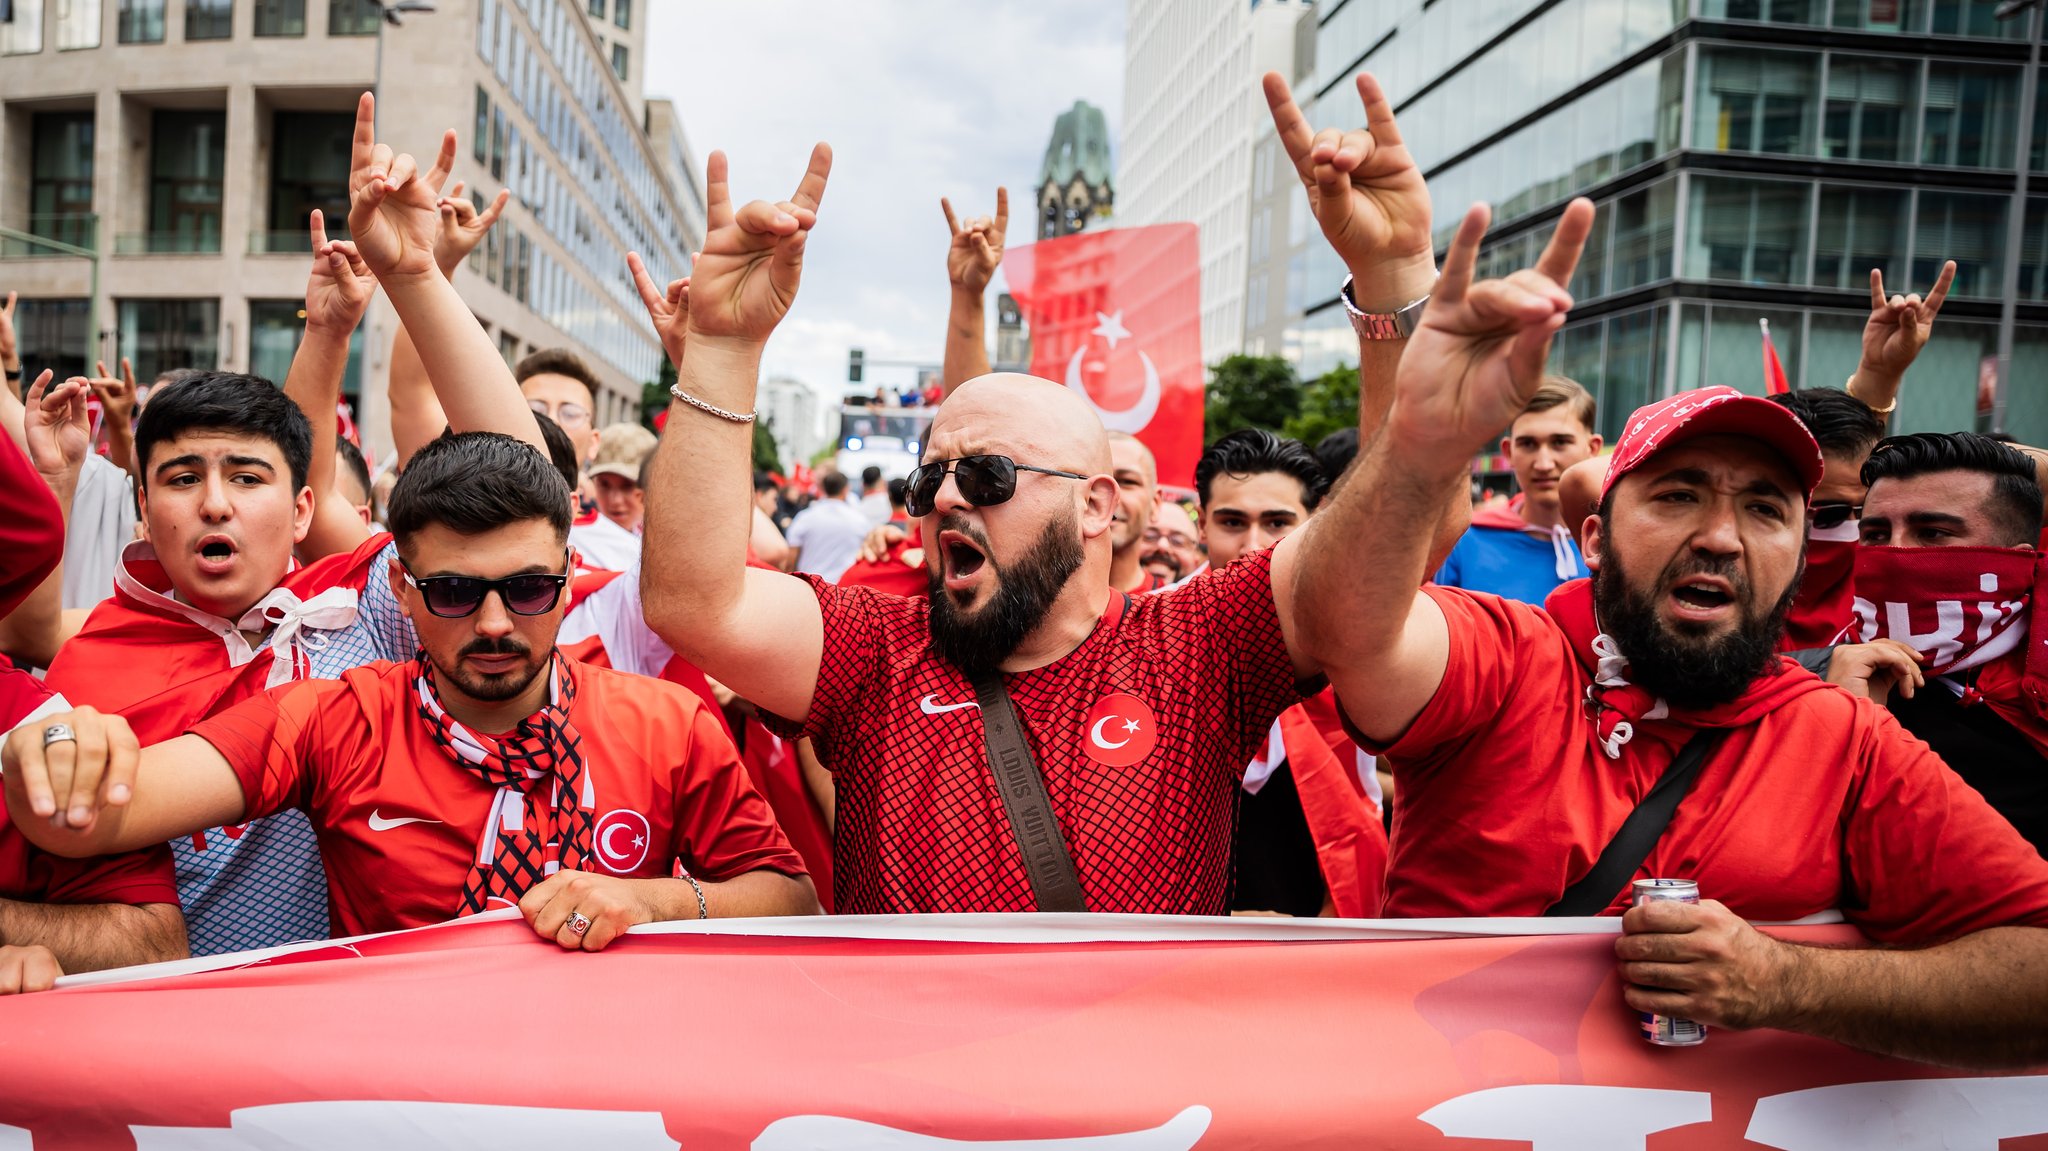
(1001, 1033)
(1116, 315)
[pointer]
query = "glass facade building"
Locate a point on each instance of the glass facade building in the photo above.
(1750, 159)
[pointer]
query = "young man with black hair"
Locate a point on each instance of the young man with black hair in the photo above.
(1525, 550)
(1255, 488)
(874, 495)
(489, 770)
(215, 606)
(827, 535)
(1949, 568)
(1846, 429)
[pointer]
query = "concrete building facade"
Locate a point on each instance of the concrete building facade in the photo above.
(186, 141)
(1075, 190)
(1750, 159)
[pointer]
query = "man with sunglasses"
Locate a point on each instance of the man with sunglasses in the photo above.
(488, 771)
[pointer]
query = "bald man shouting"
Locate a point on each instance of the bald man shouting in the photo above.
(1027, 737)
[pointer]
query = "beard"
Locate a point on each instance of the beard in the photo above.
(494, 688)
(1685, 665)
(981, 639)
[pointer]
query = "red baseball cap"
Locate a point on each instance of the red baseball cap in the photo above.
(1714, 411)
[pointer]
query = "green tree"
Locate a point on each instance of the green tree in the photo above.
(1328, 402)
(1249, 392)
(767, 458)
(654, 395)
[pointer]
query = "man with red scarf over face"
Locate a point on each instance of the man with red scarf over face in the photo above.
(1949, 567)
(1523, 739)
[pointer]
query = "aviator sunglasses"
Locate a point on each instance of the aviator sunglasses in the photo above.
(453, 597)
(984, 481)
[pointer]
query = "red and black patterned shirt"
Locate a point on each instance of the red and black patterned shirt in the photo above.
(1142, 734)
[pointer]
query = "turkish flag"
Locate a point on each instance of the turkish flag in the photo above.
(1117, 316)
(1775, 382)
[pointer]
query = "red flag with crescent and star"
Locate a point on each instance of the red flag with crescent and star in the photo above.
(1116, 315)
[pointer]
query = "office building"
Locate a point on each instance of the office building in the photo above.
(185, 142)
(791, 409)
(1750, 159)
(1279, 216)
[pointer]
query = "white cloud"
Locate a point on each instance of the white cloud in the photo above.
(919, 99)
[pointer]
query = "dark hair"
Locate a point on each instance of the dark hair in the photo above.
(1252, 451)
(1336, 451)
(763, 482)
(870, 476)
(2015, 503)
(561, 452)
(832, 484)
(229, 403)
(351, 457)
(558, 362)
(899, 491)
(475, 482)
(1843, 425)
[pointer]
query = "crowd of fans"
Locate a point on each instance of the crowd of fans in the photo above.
(537, 663)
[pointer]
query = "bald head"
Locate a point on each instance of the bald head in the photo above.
(1024, 417)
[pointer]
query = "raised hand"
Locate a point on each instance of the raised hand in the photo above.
(394, 213)
(977, 247)
(58, 429)
(746, 278)
(1366, 193)
(339, 288)
(463, 227)
(669, 309)
(1478, 354)
(115, 394)
(1898, 327)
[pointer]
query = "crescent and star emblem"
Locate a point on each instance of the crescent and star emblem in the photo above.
(1133, 419)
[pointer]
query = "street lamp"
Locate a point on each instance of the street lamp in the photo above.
(2016, 217)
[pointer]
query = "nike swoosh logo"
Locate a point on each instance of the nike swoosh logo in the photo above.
(930, 705)
(379, 823)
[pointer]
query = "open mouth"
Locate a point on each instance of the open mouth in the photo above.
(1703, 595)
(960, 557)
(216, 554)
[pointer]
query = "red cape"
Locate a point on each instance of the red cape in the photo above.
(1351, 840)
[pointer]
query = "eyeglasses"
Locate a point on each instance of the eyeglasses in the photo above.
(984, 481)
(1833, 514)
(456, 597)
(565, 414)
(1171, 539)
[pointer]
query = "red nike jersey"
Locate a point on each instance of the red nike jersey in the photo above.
(399, 822)
(1142, 734)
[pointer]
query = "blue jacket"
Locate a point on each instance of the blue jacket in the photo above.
(1502, 554)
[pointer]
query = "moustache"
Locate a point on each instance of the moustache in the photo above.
(489, 647)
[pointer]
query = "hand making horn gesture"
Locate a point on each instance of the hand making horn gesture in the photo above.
(668, 307)
(977, 248)
(462, 226)
(1366, 193)
(339, 288)
(394, 213)
(1899, 326)
(1478, 354)
(746, 278)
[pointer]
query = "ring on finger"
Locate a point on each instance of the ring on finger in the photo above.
(59, 733)
(578, 923)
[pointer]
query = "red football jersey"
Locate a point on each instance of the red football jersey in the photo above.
(399, 822)
(1142, 734)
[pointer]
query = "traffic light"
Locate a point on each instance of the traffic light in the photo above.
(853, 365)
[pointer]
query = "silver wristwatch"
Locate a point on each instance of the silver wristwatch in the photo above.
(1395, 325)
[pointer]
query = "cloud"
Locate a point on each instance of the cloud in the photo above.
(919, 99)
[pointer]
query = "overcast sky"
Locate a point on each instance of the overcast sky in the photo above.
(919, 99)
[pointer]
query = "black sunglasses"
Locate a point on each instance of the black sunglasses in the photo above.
(1833, 515)
(454, 597)
(984, 481)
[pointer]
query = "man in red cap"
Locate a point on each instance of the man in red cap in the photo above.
(1523, 740)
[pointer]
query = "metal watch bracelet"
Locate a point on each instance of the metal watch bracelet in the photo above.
(1395, 325)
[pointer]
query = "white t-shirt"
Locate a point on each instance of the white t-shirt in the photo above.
(102, 523)
(829, 533)
(877, 508)
(606, 545)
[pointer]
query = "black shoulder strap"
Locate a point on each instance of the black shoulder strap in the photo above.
(1639, 833)
(1047, 862)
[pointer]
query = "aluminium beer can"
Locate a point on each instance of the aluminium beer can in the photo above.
(1667, 1030)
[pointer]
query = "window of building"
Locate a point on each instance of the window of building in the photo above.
(78, 23)
(480, 135)
(1881, 15)
(1975, 18)
(280, 17)
(1636, 346)
(351, 18)
(619, 63)
(60, 179)
(1766, 11)
(1644, 225)
(622, 13)
(1972, 115)
(1747, 231)
(1869, 113)
(309, 168)
(2033, 252)
(187, 151)
(597, 8)
(53, 334)
(1751, 101)
(209, 19)
(23, 33)
(275, 329)
(1966, 228)
(140, 22)
(159, 335)
(508, 344)
(1860, 228)
(497, 144)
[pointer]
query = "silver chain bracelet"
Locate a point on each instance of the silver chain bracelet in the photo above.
(703, 908)
(677, 391)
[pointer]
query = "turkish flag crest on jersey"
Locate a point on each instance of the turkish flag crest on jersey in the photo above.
(1120, 731)
(1116, 315)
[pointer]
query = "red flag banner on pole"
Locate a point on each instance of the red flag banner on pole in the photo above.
(1116, 315)
(1775, 383)
(948, 1033)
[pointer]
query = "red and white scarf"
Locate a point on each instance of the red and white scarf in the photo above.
(1960, 607)
(543, 817)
